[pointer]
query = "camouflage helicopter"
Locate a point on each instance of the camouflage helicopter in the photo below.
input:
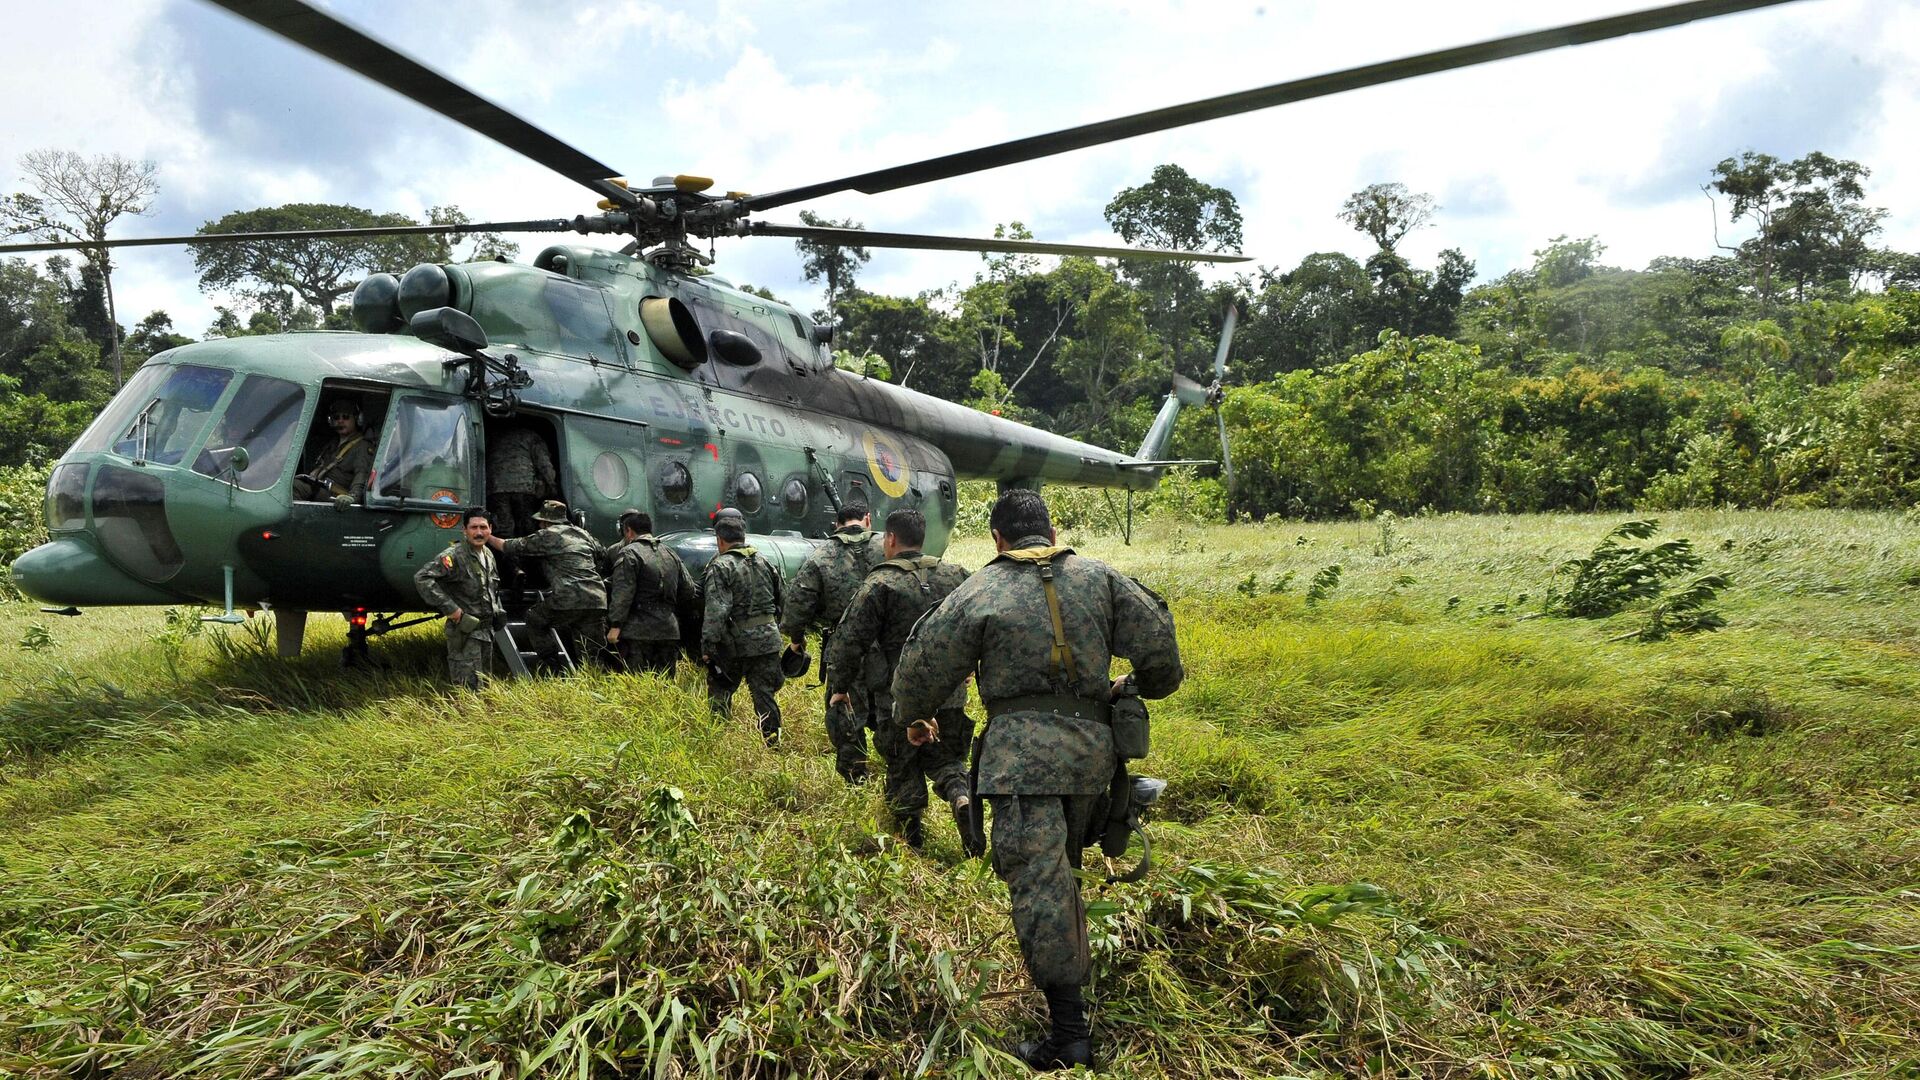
(649, 382)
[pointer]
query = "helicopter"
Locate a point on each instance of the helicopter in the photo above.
(650, 381)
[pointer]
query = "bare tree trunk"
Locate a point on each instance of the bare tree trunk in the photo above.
(113, 318)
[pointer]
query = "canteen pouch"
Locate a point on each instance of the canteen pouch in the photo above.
(1130, 729)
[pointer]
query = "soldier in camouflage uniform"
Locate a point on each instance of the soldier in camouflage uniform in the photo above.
(519, 477)
(821, 590)
(647, 586)
(740, 636)
(1041, 656)
(461, 582)
(575, 607)
(340, 469)
(894, 596)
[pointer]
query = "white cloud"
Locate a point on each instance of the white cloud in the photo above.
(1609, 139)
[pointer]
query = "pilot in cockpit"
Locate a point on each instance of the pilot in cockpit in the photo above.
(339, 469)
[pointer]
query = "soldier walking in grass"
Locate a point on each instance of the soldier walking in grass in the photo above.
(893, 597)
(1039, 627)
(647, 588)
(740, 635)
(821, 590)
(575, 606)
(463, 584)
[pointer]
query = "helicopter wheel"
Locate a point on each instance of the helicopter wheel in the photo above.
(356, 654)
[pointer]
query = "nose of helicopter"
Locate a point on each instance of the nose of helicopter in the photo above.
(70, 571)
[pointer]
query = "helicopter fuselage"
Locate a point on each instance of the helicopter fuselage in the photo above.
(153, 505)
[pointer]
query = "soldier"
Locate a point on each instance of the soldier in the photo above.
(575, 607)
(740, 636)
(519, 477)
(1039, 626)
(894, 596)
(461, 582)
(340, 469)
(826, 581)
(647, 586)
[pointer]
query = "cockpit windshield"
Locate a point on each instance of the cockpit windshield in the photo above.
(259, 420)
(159, 415)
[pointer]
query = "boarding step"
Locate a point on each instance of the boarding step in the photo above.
(519, 646)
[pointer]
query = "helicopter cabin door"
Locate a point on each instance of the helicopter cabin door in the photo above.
(424, 475)
(605, 471)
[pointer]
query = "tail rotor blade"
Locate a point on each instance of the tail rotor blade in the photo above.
(1188, 391)
(1226, 340)
(1226, 456)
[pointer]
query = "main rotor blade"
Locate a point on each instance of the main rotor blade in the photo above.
(865, 238)
(322, 33)
(1339, 82)
(545, 225)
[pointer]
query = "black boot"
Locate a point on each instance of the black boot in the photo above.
(971, 842)
(1071, 1042)
(911, 830)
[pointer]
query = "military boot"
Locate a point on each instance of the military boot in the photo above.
(1070, 1043)
(971, 840)
(912, 830)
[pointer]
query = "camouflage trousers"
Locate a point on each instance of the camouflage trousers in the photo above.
(514, 512)
(655, 656)
(847, 730)
(763, 678)
(911, 768)
(1036, 849)
(582, 630)
(469, 654)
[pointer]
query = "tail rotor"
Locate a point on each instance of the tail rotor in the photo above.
(1217, 393)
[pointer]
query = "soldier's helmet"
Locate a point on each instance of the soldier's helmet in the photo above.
(729, 512)
(553, 512)
(795, 662)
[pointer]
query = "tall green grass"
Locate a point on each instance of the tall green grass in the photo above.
(1414, 828)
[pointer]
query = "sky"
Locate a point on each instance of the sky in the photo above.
(1612, 140)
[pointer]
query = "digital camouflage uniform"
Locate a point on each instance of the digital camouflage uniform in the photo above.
(575, 606)
(1046, 754)
(647, 586)
(740, 635)
(821, 590)
(463, 579)
(519, 475)
(342, 467)
(894, 596)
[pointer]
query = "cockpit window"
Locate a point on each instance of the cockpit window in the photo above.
(427, 453)
(159, 415)
(260, 419)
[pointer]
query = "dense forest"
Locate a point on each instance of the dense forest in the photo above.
(1784, 371)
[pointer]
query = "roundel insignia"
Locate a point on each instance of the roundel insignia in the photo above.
(886, 462)
(445, 521)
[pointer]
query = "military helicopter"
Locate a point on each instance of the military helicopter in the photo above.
(650, 382)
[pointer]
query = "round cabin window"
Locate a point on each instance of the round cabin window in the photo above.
(676, 483)
(610, 475)
(794, 497)
(746, 493)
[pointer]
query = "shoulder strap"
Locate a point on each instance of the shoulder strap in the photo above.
(1062, 652)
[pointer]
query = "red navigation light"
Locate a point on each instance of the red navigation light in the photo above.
(268, 534)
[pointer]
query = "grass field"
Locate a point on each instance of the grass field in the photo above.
(1412, 829)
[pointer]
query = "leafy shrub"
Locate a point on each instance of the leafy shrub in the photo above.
(1615, 576)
